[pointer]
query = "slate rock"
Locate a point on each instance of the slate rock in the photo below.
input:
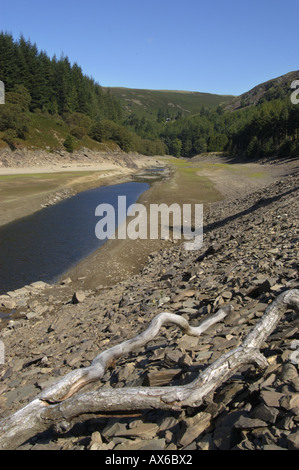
(260, 289)
(222, 437)
(78, 297)
(138, 444)
(173, 357)
(293, 440)
(265, 413)
(142, 431)
(271, 398)
(193, 428)
(289, 372)
(249, 423)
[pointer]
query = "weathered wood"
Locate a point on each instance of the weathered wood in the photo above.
(58, 404)
(75, 380)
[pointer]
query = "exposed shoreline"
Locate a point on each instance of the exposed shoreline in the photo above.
(250, 257)
(201, 179)
(27, 185)
(125, 258)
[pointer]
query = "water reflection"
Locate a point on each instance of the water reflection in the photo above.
(46, 244)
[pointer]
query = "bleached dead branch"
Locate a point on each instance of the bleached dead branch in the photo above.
(59, 403)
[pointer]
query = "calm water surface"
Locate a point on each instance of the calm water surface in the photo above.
(46, 244)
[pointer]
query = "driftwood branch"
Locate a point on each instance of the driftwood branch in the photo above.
(59, 403)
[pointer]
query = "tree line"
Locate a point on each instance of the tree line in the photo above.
(36, 83)
(55, 86)
(271, 127)
(266, 129)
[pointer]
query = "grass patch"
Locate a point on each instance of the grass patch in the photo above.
(48, 176)
(256, 174)
(187, 186)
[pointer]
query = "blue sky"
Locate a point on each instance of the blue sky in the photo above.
(216, 46)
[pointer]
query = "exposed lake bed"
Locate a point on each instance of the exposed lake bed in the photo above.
(249, 258)
(30, 183)
(45, 244)
(169, 181)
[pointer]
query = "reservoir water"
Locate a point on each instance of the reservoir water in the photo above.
(44, 245)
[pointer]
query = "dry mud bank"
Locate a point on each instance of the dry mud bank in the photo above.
(250, 256)
(30, 181)
(200, 180)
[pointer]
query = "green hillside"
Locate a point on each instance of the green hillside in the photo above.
(51, 104)
(170, 104)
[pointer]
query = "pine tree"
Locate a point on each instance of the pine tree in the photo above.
(69, 144)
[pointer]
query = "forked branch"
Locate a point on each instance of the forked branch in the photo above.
(58, 403)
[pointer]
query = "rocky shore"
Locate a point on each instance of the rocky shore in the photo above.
(250, 256)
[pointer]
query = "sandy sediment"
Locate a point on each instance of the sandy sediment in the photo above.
(30, 181)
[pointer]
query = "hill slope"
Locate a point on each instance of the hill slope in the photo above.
(51, 104)
(147, 103)
(273, 89)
